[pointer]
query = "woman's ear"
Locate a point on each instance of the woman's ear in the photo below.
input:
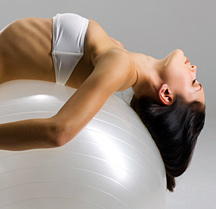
(165, 95)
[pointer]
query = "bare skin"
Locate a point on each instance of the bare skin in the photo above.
(25, 53)
(106, 67)
(30, 50)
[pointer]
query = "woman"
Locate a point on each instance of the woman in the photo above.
(73, 51)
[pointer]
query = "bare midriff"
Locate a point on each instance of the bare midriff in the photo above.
(26, 47)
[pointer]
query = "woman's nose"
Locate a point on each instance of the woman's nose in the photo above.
(193, 70)
(193, 67)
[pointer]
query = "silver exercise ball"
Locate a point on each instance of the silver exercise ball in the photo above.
(113, 163)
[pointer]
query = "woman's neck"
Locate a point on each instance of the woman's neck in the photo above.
(148, 79)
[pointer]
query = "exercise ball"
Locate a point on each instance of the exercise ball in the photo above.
(113, 163)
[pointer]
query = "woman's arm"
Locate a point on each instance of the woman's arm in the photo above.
(112, 70)
(28, 134)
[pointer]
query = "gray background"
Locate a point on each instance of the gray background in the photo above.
(155, 27)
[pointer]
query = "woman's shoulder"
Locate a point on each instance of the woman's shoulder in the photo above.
(118, 65)
(108, 54)
(95, 31)
(97, 41)
(115, 57)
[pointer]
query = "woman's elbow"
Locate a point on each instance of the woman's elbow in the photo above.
(60, 134)
(61, 139)
(58, 142)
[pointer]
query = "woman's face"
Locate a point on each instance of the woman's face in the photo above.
(180, 76)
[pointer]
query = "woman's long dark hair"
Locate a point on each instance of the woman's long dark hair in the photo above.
(174, 128)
